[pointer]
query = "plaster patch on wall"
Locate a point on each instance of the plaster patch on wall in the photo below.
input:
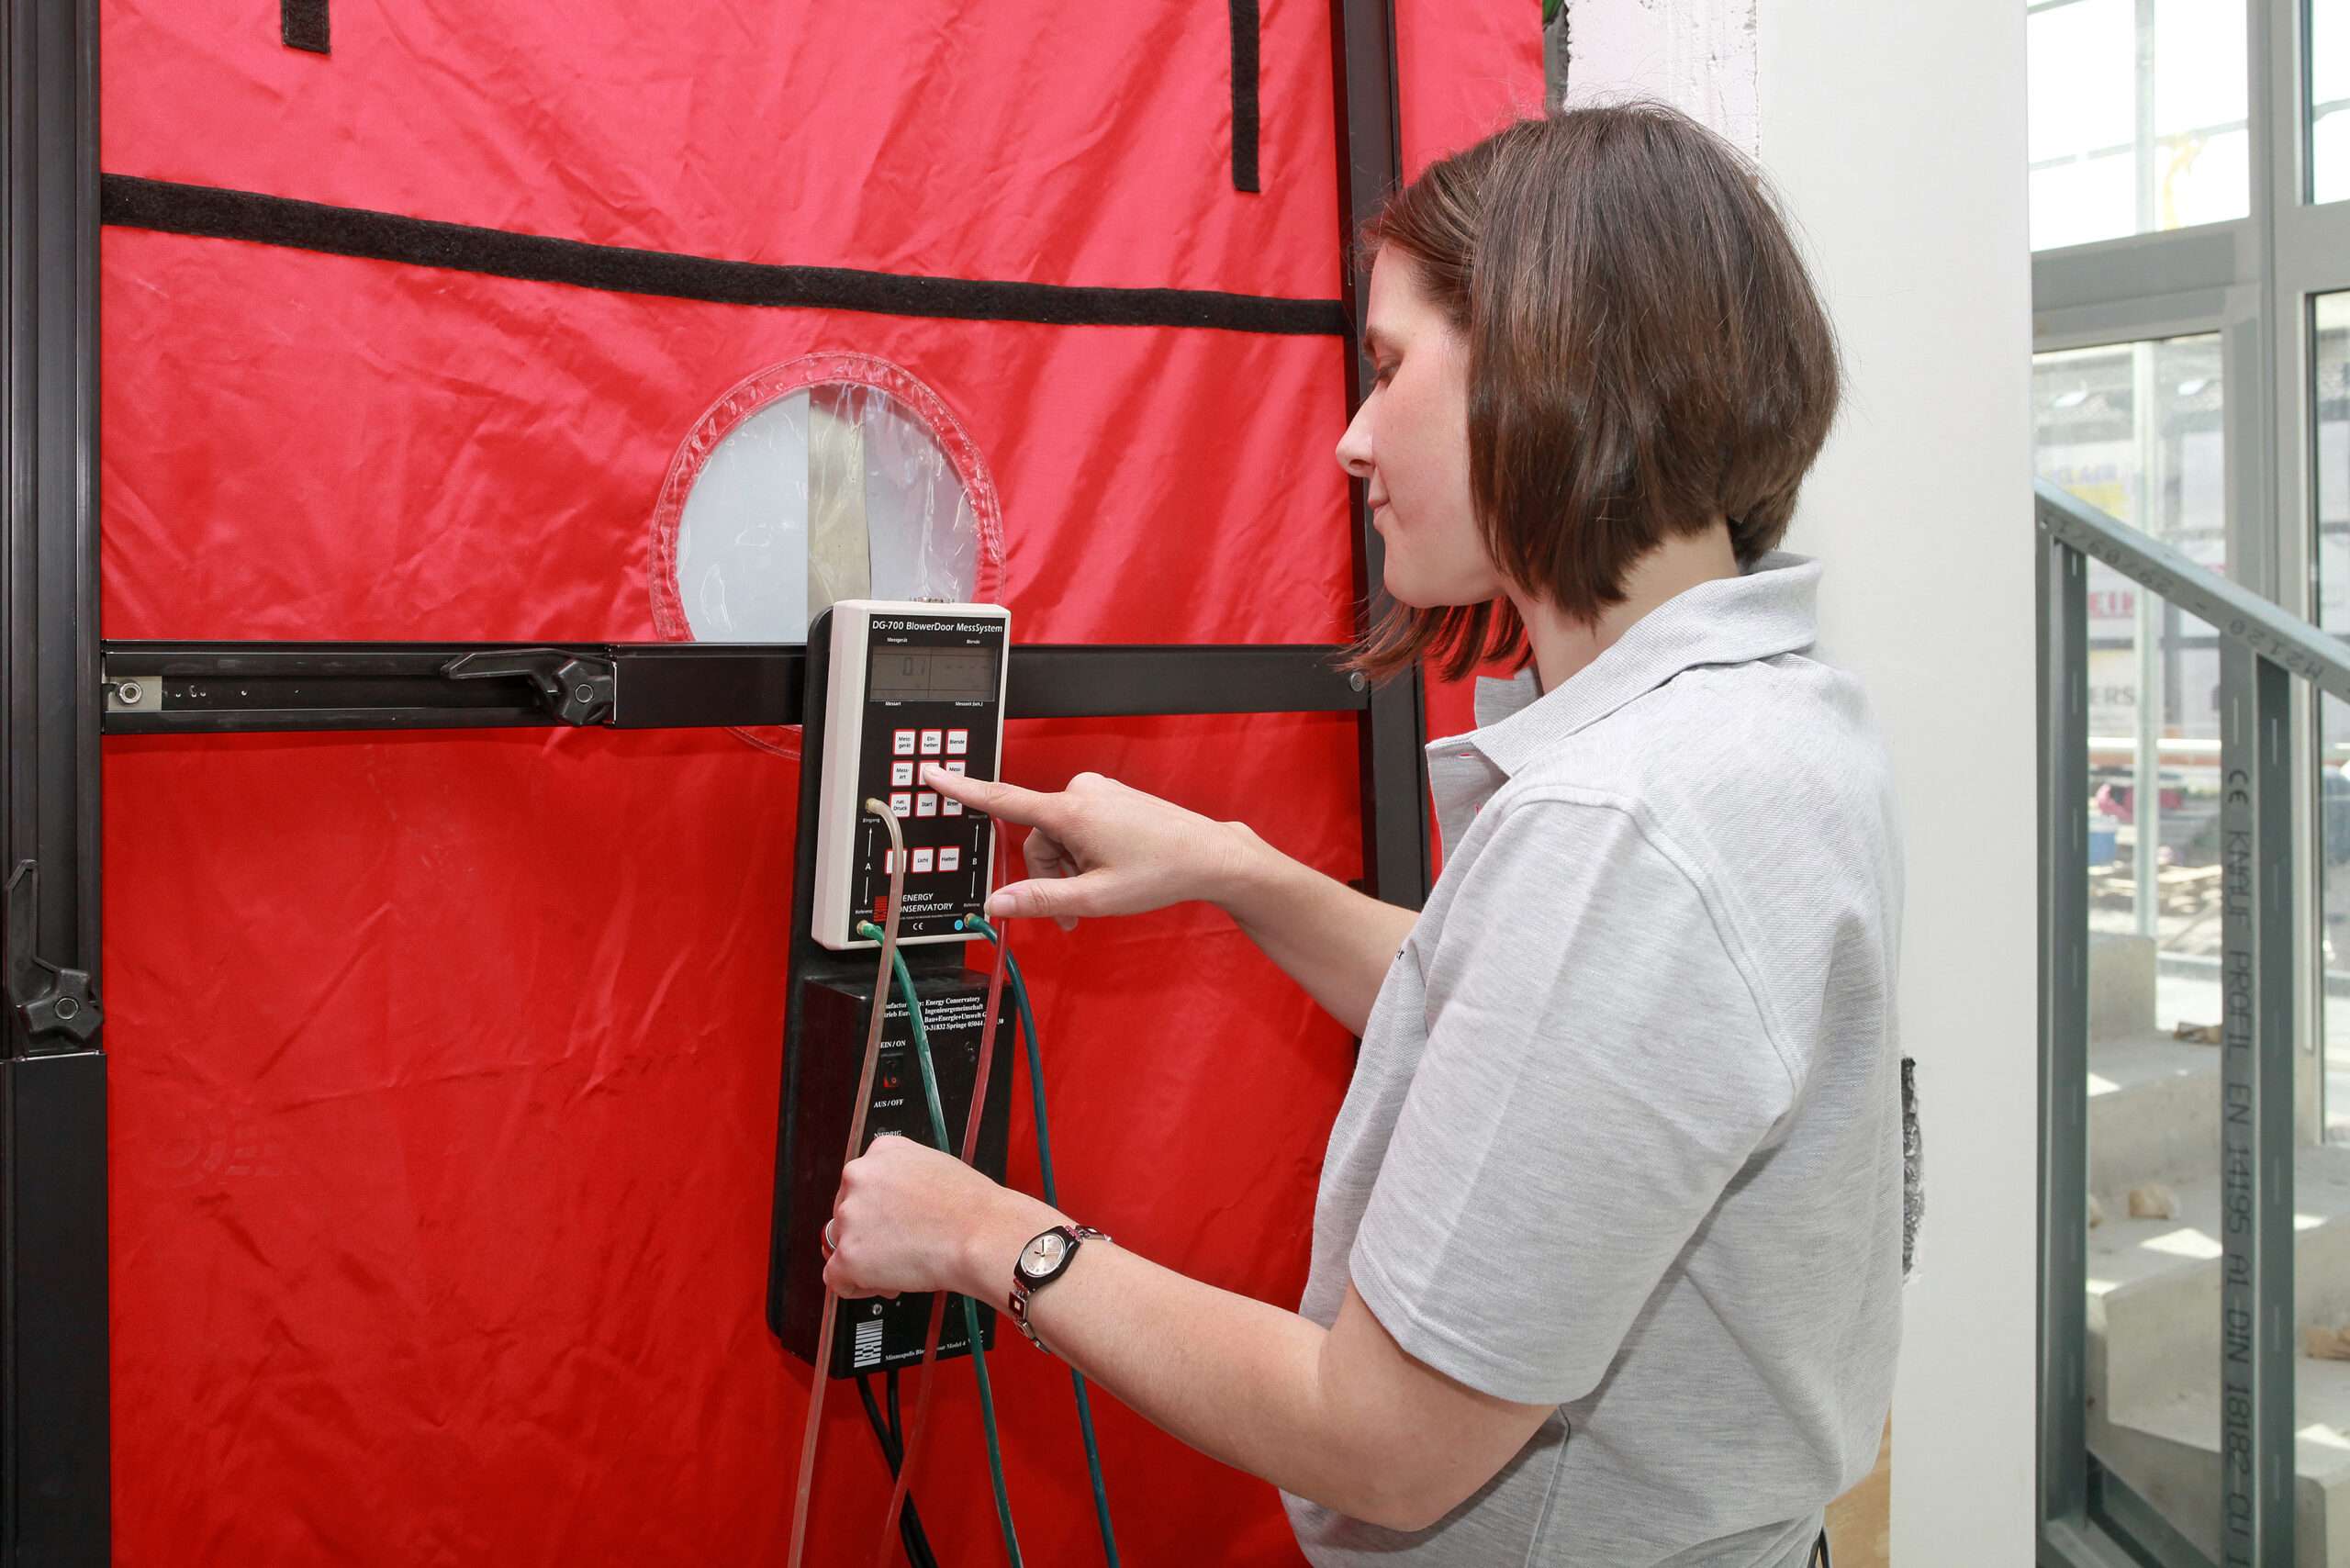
(1697, 55)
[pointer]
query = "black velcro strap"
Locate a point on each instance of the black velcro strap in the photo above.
(305, 24)
(1244, 96)
(129, 202)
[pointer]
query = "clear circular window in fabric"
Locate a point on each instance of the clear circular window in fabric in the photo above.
(833, 477)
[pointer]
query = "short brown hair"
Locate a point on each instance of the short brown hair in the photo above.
(1646, 354)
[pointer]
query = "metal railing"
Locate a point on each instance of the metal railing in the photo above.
(2084, 1513)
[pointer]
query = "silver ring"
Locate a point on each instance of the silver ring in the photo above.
(832, 1243)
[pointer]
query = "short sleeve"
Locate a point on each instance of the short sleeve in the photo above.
(1597, 1071)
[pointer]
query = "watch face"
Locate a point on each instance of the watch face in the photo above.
(1042, 1256)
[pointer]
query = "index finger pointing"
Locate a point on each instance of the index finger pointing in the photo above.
(1008, 802)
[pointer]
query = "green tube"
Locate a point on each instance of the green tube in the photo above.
(1034, 1050)
(970, 1313)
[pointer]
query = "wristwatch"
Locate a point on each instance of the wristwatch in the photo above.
(1045, 1259)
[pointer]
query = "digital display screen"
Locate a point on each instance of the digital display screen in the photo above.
(931, 674)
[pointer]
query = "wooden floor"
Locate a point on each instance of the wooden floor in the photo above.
(1858, 1523)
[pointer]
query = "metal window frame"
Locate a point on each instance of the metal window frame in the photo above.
(55, 1480)
(2252, 278)
(2264, 650)
(2252, 281)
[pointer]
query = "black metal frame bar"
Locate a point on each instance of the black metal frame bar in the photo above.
(1396, 840)
(55, 1484)
(54, 1478)
(216, 688)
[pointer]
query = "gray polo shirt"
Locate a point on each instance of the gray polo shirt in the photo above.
(1624, 1136)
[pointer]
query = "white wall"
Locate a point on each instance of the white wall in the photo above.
(1895, 132)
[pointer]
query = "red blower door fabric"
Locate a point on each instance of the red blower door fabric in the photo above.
(446, 1065)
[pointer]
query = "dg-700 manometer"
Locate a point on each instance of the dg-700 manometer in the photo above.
(911, 684)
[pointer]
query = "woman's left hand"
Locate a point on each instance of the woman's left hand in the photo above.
(909, 1218)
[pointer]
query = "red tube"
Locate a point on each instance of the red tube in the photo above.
(823, 1366)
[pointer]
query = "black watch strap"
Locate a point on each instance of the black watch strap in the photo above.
(1024, 1285)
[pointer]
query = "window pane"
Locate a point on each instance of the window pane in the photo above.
(2330, 157)
(2157, 1198)
(2329, 100)
(2135, 430)
(2090, 198)
(2199, 65)
(2331, 399)
(2137, 117)
(2330, 386)
(2205, 179)
(2083, 85)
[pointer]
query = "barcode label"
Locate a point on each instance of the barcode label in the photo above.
(867, 1352)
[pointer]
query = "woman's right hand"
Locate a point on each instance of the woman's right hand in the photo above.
(1098, 847)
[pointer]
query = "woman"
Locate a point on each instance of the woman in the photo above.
(1607, 1248)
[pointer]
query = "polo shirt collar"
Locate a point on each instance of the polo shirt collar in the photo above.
(1772, 609)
